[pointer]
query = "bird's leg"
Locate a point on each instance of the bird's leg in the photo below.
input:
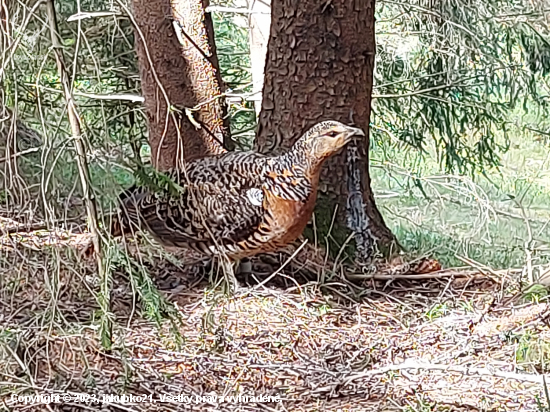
(245, 269)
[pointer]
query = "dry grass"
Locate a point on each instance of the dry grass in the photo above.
(455, 340)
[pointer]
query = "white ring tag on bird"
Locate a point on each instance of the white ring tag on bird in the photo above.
(255, 196)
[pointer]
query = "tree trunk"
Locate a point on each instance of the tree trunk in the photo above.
(179, 68)
(319, 66)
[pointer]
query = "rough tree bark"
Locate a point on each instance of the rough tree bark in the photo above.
(319, 66)
(179, 68)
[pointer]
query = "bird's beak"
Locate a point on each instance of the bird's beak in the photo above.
(354, 131)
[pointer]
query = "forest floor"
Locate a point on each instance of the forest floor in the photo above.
(451, 340)
(318, 335)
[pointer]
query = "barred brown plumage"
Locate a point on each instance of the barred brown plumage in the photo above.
(238, 204)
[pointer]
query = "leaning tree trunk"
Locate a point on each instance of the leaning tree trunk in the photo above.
(179, 69)
(319, 66)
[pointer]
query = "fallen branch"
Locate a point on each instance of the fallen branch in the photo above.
(9, 230)
(464, 370)
(433, 275)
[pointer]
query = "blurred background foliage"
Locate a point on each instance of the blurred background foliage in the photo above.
(454, 71)
(459, 135)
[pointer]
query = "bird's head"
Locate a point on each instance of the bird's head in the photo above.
(326, 138)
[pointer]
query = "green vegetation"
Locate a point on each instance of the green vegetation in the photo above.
(486, 216)
(439, 310)
(533, 353)
(460, 165)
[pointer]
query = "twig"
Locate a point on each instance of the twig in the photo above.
(134, 98)
(198, 106)
(435, 275)
(124, 97)
(418, 92)
(91, 15)
(221, 9)
(479, 266)
(178, 25)
(281, 267)
(21, 153)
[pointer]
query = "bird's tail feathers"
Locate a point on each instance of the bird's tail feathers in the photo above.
(122, 222)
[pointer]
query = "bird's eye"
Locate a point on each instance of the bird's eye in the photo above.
(332, 134)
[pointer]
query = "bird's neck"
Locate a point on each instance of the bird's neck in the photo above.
(300, 154)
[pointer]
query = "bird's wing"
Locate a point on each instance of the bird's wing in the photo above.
(223, 200)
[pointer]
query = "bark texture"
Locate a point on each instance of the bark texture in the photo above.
(179, 68)
(319, 66)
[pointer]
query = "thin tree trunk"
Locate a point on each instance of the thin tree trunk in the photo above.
(87, 192)
(259, 23)
(179, 69)
(319, 66)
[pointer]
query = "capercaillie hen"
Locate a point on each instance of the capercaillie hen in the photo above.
(238, 204)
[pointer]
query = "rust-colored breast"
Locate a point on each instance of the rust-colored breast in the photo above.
(287, 206)
(287, 218)
(283, 223)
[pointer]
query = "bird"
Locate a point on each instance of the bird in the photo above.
(237, 204)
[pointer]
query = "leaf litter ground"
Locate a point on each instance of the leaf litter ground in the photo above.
(451, 340)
